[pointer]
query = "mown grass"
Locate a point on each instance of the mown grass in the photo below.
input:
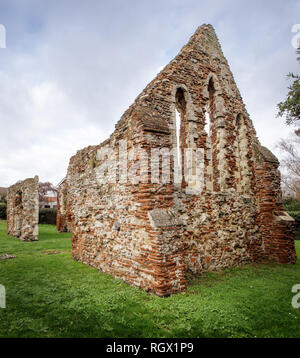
(54, 296)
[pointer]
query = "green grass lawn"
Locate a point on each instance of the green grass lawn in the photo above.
(53, 296)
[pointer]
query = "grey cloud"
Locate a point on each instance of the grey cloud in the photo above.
(72, 68)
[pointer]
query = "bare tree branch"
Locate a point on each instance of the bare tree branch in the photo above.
(290, 163)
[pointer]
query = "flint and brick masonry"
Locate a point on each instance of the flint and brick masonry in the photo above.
(225, 212)
(23, 209)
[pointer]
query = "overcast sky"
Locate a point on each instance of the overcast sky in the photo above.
(71, 68)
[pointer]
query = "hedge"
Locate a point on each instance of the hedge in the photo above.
(47, 216)
(292, 204)
(296, 216)
(2, 211)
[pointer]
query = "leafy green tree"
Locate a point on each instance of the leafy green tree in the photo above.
(3, 199)
(290, 108)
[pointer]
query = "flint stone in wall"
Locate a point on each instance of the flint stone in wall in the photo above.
(163, 218)
(23, 209)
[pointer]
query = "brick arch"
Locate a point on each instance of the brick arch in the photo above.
(213, 95)
(183, 105)
(212, 76)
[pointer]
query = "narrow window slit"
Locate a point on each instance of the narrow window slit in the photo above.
(180, 113)
(207, 123)
(178, 123)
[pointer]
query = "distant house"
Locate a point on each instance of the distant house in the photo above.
(3, 191)
(49, 202)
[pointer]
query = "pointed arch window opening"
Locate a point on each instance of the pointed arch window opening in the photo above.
(180, 115)
(207, 121)
(178, 125)
(208, 108)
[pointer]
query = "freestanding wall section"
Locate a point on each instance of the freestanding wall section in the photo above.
(23, 209)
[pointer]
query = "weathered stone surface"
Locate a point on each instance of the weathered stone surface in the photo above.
(23, 209)
(151, 233)
(267, 155)
(163, 218)
(64, 220)
(4, 257)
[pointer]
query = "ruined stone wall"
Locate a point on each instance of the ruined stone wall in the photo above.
(64, 218)
(23, 209)
(152, 232)
(276, 226)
